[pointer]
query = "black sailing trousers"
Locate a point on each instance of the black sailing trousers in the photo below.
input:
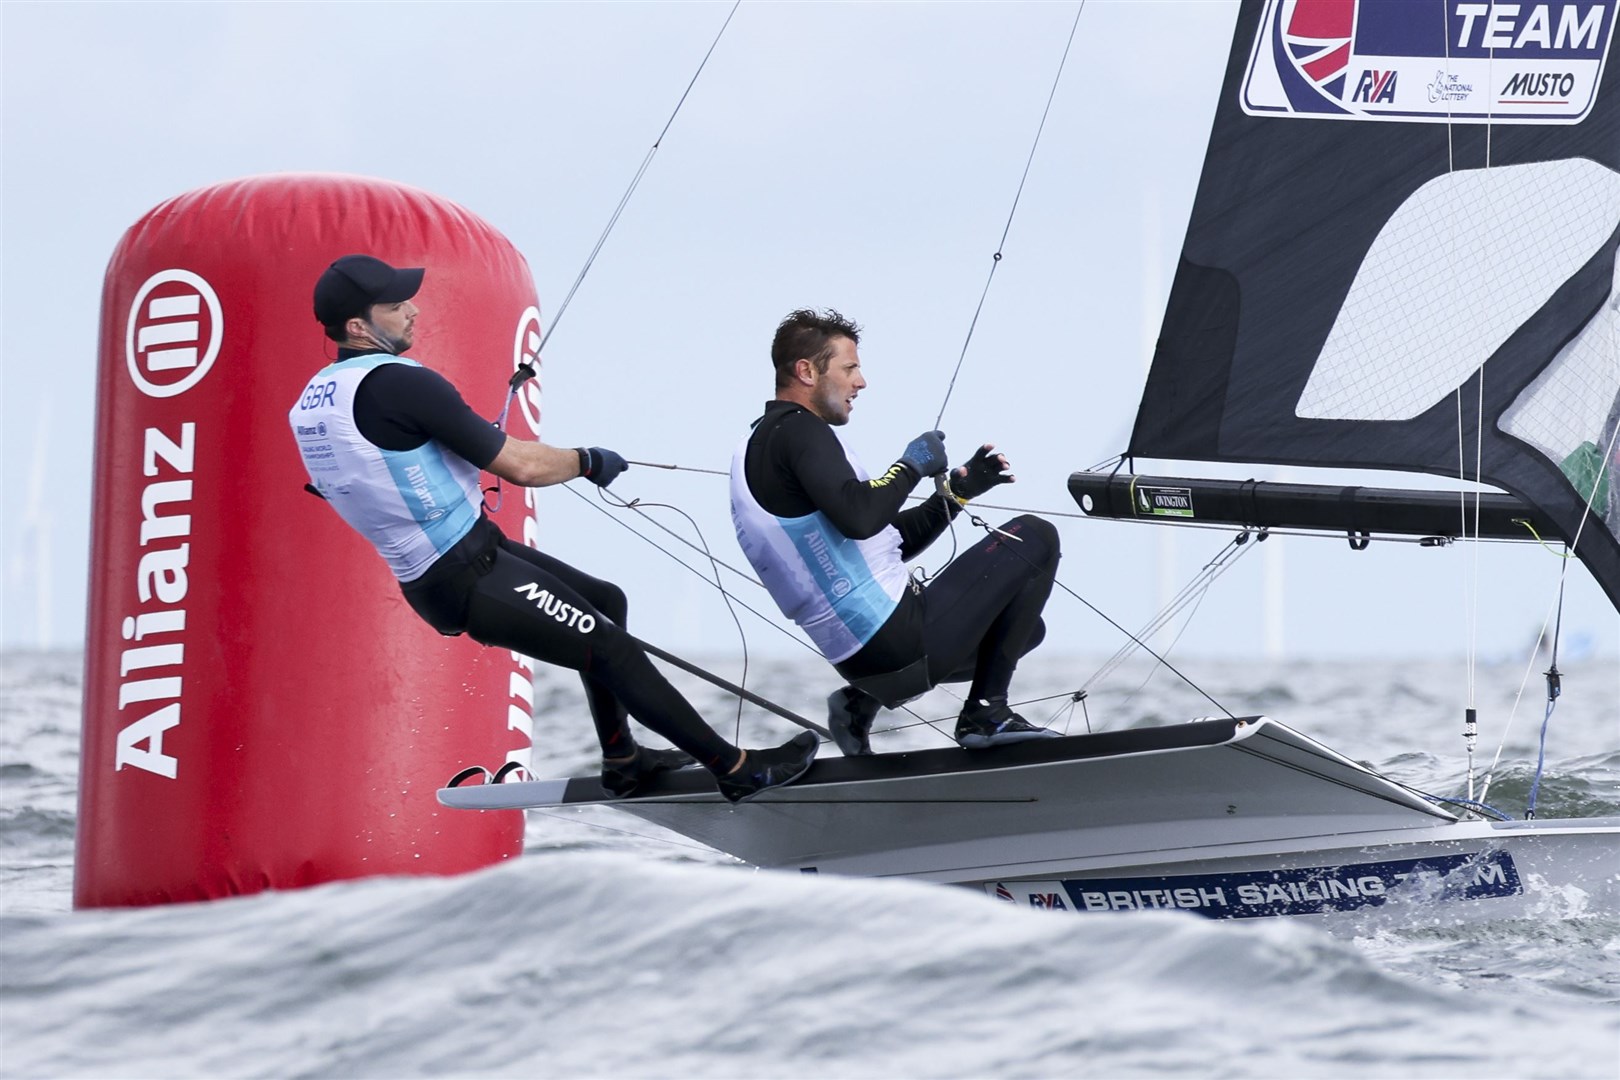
(977, 618)
(514, 597)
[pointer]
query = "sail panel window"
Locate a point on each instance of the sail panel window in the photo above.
(1571, 412)
(1453, 273)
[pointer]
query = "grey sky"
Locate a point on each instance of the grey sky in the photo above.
(860, 156)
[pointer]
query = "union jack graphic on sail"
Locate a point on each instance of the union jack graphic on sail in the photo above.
(1317, 40)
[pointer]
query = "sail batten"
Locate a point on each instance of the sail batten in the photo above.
(1360, 292)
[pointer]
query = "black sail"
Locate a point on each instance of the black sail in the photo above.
(1406, 228)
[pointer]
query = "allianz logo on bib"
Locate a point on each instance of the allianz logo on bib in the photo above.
(174, 333)
(567, 614)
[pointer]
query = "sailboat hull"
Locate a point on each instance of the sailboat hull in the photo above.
(1230, 818)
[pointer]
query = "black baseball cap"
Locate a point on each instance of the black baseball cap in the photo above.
(353, 283)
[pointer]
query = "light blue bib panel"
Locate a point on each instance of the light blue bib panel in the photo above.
(841, 591)
(413, 505)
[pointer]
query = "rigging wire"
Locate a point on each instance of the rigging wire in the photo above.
(1553, 690)
(1195, 590)
(995, 259)
(635, 180)
(1144, 646)
(637, 506)
(525, 369)
(1557, 605)
(714, 564)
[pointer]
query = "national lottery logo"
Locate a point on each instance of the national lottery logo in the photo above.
(174, 332)
(1429, 61)
(526, 349)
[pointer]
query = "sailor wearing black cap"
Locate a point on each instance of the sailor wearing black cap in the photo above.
(395, 450)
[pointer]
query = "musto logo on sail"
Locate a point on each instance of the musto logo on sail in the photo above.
(1299, 891)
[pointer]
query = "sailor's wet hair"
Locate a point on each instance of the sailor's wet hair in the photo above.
(807, 334)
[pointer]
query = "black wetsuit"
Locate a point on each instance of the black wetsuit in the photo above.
(485, 584)
(975, 620)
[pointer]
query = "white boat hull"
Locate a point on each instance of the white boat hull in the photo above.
(1228, 818)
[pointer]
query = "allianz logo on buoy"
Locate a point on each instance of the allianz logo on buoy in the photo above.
(526, 347)
(174, 333)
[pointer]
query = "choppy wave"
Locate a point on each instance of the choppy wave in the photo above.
(608, 965)
(615, 949)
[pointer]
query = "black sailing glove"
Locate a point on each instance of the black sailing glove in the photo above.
(601, 467)
(925, 455)
(983, 471)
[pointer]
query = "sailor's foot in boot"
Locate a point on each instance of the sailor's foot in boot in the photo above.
(849, 717)
(624, 777)
(761, 770)
(990, 722)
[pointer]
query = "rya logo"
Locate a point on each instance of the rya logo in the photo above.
(1376, 86)
(567, 614)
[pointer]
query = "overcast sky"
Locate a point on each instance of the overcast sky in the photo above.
(860, 156)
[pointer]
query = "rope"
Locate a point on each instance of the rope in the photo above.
(995, 259)
(714, 564)
(625, 198)
(525, 370)
(1100, 614)
(1193, 592)
(636, 505)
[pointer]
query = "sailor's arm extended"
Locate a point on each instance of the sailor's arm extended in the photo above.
(399, 406)
(535, 464)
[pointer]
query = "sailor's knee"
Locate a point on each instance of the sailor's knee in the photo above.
(611, 601)
(1036, 530)
(609, 651)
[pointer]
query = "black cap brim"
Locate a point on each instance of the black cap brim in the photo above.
(407, 280)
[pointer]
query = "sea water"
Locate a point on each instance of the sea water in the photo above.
(613, 948)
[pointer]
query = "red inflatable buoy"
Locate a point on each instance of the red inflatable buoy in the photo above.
(261, 708)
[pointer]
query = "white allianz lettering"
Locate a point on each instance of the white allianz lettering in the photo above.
(520, 706)
(179, 456)
(149, 729)
(153, 669)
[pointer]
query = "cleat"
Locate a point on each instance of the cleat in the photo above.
(849, 717)
(766, 769)
(991, 722)
(622, 779)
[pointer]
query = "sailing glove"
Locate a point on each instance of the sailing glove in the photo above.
(925, 455)
(601, 467)
(983, 471)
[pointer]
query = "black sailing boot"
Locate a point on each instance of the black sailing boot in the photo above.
(990, 722)
(622, 779)
(765, 769)
(849, 717)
